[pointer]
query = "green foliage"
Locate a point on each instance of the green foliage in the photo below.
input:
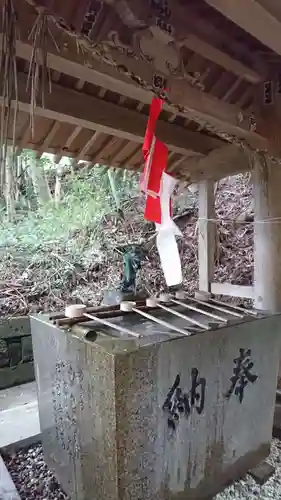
(87, 197)
(28, 156)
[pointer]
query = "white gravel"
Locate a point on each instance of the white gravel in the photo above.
(31, 476)
(34, 481)
(248, 489)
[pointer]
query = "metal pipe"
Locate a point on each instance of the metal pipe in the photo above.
(252, 312)
(183, 316)
(197, 309)
(120, 329)
(128, 306)
(218, 308)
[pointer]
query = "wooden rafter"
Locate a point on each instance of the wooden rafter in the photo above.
(219, 39)
(72, 137)
(176, 163)
(253, 18)
(70, 106)
(68, 144)
(222, 59)
(89, 144)
(231, 89)
(107, 151)
(130, 157)
(128, 152)
(79, 84)
(50, 136)
(113, 156)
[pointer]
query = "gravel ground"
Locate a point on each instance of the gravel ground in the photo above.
(248, 489)
(32, 477)
(34, 481)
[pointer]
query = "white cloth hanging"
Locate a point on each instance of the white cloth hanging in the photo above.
(166, 235)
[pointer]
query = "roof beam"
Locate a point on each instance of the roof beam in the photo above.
(187, 21)
(220, 163)
(86, 111)
(253, 18)
(199, 105)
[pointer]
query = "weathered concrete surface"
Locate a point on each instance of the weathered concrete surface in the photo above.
(18, 395)
(19, 421)
(104, 425)
(16, 354)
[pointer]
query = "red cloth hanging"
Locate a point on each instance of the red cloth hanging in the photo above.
(155, 155)
(154, 151)
(154, 112)
(152, 211)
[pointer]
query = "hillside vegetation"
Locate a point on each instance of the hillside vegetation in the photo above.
(62, 228)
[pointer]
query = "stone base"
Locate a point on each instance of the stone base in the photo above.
(155, 417)
(262, 473)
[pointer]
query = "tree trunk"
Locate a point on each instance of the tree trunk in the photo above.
(10, 188)
(112, 182)
(18, 176)
(2, 176)
(40, 183)
(58, 185)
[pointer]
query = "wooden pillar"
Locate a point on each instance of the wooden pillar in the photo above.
(267, 234)
(267, 237)
(206, 234)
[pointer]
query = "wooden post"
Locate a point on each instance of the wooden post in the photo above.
(206, 234)
(267, 234)
(267, 237)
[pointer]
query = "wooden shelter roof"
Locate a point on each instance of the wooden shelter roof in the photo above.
(218, 59)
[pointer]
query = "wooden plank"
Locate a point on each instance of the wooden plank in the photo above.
(70, 106)
(206, 234)
(220, 58)
(253, 18)
(246, 292)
